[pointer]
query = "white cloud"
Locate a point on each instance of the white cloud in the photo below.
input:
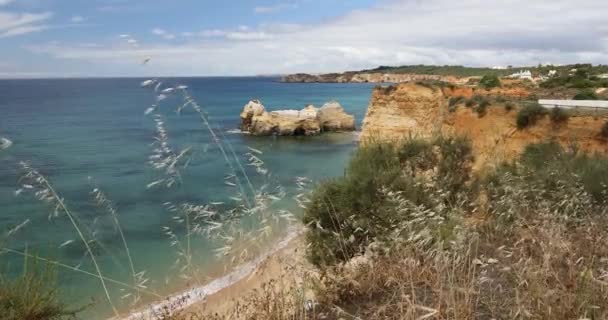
(5, 2)
(77, 19)
(212, 33)
(163, 33)
(248, 36)
(275, 8)
(469, 32)
(13, 24)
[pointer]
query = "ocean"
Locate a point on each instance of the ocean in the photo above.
(86, 134)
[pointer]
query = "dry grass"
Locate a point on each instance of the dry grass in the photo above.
(517, 250)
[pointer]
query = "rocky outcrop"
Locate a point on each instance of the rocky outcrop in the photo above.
(402, 111)
(309, 121)
(331, 117)
(364, 77)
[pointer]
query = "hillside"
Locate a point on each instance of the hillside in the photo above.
(442, 73)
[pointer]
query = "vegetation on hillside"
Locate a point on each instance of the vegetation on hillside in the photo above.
(558, 115)
(585, 94)
(604, 131)
(459, 71)
(578, 76)
(529, 114)
(507, 245)
(359, 201)
(463, 71)
(489, 82)
(32, 296)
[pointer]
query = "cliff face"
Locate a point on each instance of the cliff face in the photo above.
(407, 110)
(402, 111)
(363, 77)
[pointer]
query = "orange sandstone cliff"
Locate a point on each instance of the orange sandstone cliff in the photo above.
(414, 110)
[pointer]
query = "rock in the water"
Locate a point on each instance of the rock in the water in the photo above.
(252, 109)
(306, 122)
(333, 118)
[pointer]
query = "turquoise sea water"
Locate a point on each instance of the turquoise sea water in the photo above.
(75, 130)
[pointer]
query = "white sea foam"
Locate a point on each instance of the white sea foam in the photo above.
(189, 297)
(5, 143)
(234, 131)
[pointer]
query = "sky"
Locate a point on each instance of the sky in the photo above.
(89, 38)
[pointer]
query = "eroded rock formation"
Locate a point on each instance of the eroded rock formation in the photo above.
(309, 121)
(402, 111)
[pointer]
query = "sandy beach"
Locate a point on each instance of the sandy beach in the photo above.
(284, 262)
(286, 265)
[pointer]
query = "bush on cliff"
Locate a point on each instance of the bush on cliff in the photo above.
(489, 82)
(558, 115)
(453, 102)
(549, 166)
(528, 115)
(604, 131)
(535, 221)
(347, 214)
(33, 296)
(482, 108)
(585, 95)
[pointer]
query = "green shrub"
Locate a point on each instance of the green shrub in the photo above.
(482, 108)
(538, 155)
(558, 115)
(470, 103)
(604, 131)
(455, 100)
(542, 160)
(585, 95)
(582, 83)
(489, 82)
(529, 115)
(345, 215)
(509, 106)
(32, 296)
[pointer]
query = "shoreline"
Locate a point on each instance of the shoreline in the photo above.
(192, 297)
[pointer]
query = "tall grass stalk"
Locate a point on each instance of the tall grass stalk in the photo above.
(78, 270)
(103, 201)
(48, 193)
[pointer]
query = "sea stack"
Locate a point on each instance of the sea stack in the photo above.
(309, 121)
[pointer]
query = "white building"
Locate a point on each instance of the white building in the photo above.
(522, 75)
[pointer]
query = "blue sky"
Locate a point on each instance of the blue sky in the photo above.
(69, 38)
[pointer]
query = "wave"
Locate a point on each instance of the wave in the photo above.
(5, 143)
(192, 296)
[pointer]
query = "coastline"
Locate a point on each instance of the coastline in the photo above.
(222, 290)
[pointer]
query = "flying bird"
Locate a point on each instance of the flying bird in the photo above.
(146, 60)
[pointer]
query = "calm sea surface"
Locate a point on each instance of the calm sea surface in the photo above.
(85, 132)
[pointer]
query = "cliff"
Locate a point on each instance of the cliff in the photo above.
(405, 110)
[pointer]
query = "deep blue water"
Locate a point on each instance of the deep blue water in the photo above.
(80, 130)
